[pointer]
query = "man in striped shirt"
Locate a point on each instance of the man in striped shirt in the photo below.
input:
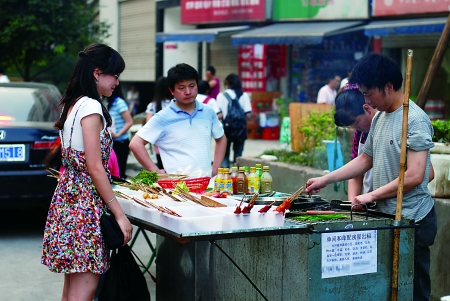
(380, 80)
(182, 131)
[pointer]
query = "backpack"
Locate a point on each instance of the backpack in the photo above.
(235, 124)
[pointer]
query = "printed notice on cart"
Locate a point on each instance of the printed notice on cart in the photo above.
(349, 253)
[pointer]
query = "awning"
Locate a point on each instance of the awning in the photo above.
(196, 35)
(300, 33)
(404, 26)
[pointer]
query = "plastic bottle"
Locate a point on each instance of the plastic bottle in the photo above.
(266, 180)
(234, 174)
(259, 172)
(218, 179)
(246, 171)
(227, 182)
(253, 183)
(241, 182)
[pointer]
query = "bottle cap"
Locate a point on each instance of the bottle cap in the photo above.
(219, 170)
(234, 168)
(265, 168)
(241, 169)
(252, 169)
(258, 165)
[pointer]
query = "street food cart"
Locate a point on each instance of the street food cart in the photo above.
(347, 259)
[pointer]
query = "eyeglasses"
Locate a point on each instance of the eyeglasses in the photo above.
(116, 75)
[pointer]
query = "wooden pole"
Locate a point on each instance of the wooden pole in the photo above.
(435, 63)
(401, 178)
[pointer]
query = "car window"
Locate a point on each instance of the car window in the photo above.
(28, 104)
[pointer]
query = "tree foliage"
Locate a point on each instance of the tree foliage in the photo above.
(37, 35)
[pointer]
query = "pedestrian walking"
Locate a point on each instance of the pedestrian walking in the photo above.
(234, 104)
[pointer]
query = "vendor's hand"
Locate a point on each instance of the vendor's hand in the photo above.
(160, 171)
(362, 199)
(114, 135)
(315, 184)
(126, 228)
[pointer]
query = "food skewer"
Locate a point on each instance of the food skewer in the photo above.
(238, 208)
(266, 208)
(250, 205)
(287, 202)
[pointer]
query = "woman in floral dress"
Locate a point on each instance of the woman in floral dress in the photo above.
(73, 243)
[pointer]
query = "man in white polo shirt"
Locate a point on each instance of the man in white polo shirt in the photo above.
(183, 130)
(327, 93)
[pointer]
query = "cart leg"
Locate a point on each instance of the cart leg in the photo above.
(150, 245)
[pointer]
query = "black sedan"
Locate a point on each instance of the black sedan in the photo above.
(28, 112)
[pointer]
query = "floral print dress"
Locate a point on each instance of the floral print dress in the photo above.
(73, 242)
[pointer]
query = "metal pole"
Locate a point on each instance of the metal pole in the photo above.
(401, 178)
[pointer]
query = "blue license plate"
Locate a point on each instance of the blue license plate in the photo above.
(12, 152)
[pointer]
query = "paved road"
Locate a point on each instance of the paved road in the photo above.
(23, 278)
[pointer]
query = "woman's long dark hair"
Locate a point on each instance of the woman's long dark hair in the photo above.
(161, 92)
(82, 81)
(234, 83)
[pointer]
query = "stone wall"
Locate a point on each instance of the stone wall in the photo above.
(289, 177)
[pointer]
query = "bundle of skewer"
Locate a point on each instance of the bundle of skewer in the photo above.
(146, 203)
(172, 176)
(204, 201)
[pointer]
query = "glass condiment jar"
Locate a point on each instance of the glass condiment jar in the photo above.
(266, 180)
(241, 182)
(218, 179)
(253, 181)
(227, 182)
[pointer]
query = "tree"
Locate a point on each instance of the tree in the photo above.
(37, 35)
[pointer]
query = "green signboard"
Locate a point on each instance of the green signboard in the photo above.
(320, 9)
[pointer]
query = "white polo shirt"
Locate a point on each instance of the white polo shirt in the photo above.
(184, 140)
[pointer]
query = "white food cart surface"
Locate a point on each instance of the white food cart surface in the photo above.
(196, 218)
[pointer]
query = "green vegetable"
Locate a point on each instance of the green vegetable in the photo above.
(319, 217)
(145, 177)
(180, 187)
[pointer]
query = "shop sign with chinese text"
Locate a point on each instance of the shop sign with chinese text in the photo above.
(218, 11)
(320, 9)
(407, 7)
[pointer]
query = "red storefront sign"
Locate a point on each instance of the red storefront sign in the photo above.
(406, 7)
(215, 11)
(260, 67)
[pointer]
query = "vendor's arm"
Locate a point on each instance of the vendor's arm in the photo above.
(355, 187)
(219, 153)
(91, 128)
(137, 146)
(414, 175)
(352, 169)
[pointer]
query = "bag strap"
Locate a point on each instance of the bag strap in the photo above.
(140, 261)
(207, 99)
(230, 101)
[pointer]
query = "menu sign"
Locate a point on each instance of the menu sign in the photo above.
(349, 253)
(215, 11)
(407, 7)
(252, 66)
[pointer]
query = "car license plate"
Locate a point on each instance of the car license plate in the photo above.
(12, 152)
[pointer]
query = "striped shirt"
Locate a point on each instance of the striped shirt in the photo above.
(383, 145)
(184, 139)
(117, 108)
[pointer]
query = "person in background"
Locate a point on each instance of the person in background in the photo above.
(203, 97)
(234, 91)
(327, 93)
(213, 81)
(3, 77)
(133, 100)
(122, 121)
(183, 130)
(73, 242)
(344, 81)
(380, 81)
(351, 110)
(161, 99)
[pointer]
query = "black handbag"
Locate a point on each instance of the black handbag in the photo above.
(112, 235)
(124, 280)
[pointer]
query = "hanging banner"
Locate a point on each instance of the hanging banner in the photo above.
(406, 7)
(215, 11)
(320, 9)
